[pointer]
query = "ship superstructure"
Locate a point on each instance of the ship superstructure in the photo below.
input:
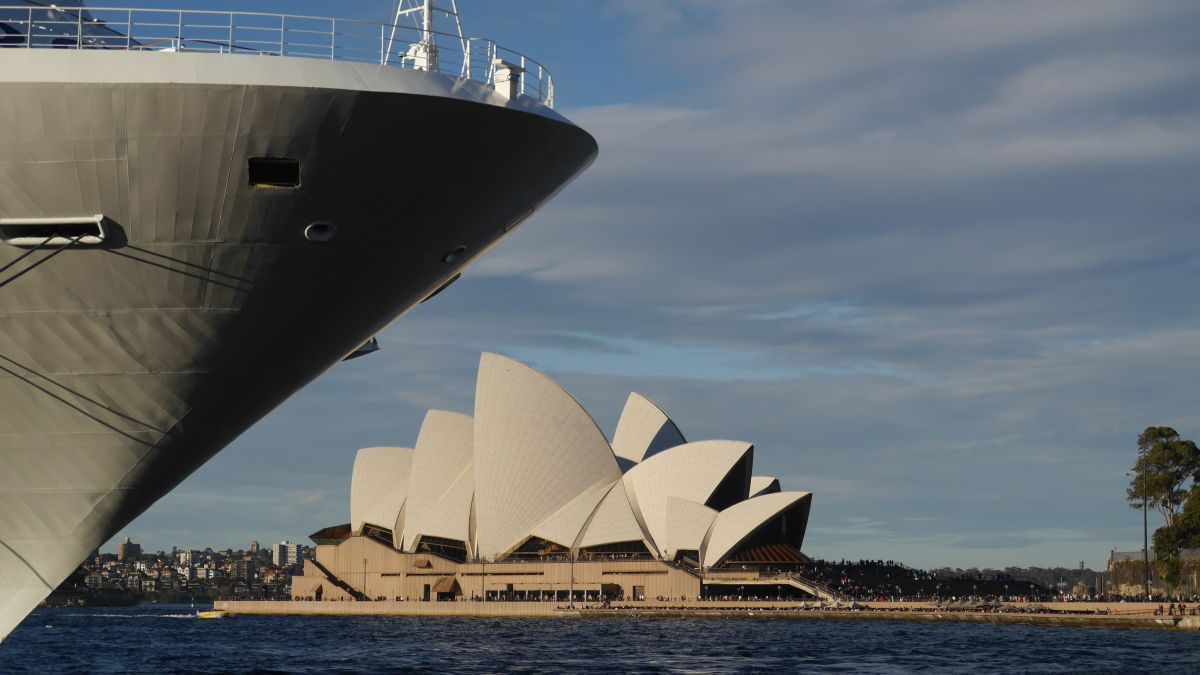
(201, 212)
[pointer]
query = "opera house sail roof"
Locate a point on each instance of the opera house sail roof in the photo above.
(531, 474)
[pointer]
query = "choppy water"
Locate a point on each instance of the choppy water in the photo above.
(164, 639)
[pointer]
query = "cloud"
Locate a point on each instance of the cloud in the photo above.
(763, 49)
(1085, 86)
(935, 260)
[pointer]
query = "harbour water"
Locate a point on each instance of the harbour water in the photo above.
(166, 639)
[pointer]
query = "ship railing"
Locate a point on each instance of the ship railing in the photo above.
(262, 34)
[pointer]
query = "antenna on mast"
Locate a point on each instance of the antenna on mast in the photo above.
(423, 54)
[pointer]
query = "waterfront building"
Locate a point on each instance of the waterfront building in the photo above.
(527, 498)
(127, 551)
(1127, 572)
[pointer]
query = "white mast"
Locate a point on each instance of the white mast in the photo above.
(427, 22)
(423, 54)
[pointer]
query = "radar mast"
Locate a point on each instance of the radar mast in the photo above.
(423, 55)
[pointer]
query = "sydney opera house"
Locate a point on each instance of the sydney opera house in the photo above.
(528, 499)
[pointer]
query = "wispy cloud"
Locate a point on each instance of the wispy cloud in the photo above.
(935, 260)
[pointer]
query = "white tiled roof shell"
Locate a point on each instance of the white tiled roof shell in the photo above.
(691, 471)
(613, 521)
(736, 523)
(644, 430)
(565, 525)
(764, 485)
(442, 479)
(687, 523)
(536, 451)
(378, 486)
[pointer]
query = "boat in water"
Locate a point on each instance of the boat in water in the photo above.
(201, 212)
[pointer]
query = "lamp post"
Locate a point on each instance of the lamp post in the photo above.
(1145, 527)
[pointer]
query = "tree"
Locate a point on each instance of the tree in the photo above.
(1165, 462)
(1184, 532)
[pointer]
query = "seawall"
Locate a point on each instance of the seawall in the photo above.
(389, 608)
(1082, 615)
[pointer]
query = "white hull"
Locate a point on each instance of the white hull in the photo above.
(124, 366)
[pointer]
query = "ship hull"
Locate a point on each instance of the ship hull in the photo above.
(126, 365)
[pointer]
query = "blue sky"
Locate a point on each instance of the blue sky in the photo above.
(937, 260)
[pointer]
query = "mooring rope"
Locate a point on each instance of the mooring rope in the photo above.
(35, 249)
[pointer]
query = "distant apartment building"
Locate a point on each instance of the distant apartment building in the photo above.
(286, 554)
(242, 570)
(127, 551)
(185, 557)
(254, 547)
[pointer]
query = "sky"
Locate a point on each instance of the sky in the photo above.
(937, 261)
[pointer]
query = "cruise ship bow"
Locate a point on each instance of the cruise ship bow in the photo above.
(202, 212)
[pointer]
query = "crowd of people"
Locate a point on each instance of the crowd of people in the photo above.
(887, 580)
(1176, 609)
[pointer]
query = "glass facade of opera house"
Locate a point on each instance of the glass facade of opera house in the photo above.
(527, 499)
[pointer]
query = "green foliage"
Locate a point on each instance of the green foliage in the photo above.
(1048, 577)
(1168, 569)
(1165, 463)
(1183, 532)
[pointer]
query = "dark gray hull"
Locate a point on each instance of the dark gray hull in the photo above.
(126, 366)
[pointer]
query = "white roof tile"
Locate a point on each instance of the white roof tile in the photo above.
(379, 486)
(536, 451)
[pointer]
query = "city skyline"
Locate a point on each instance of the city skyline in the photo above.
(933, 258)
